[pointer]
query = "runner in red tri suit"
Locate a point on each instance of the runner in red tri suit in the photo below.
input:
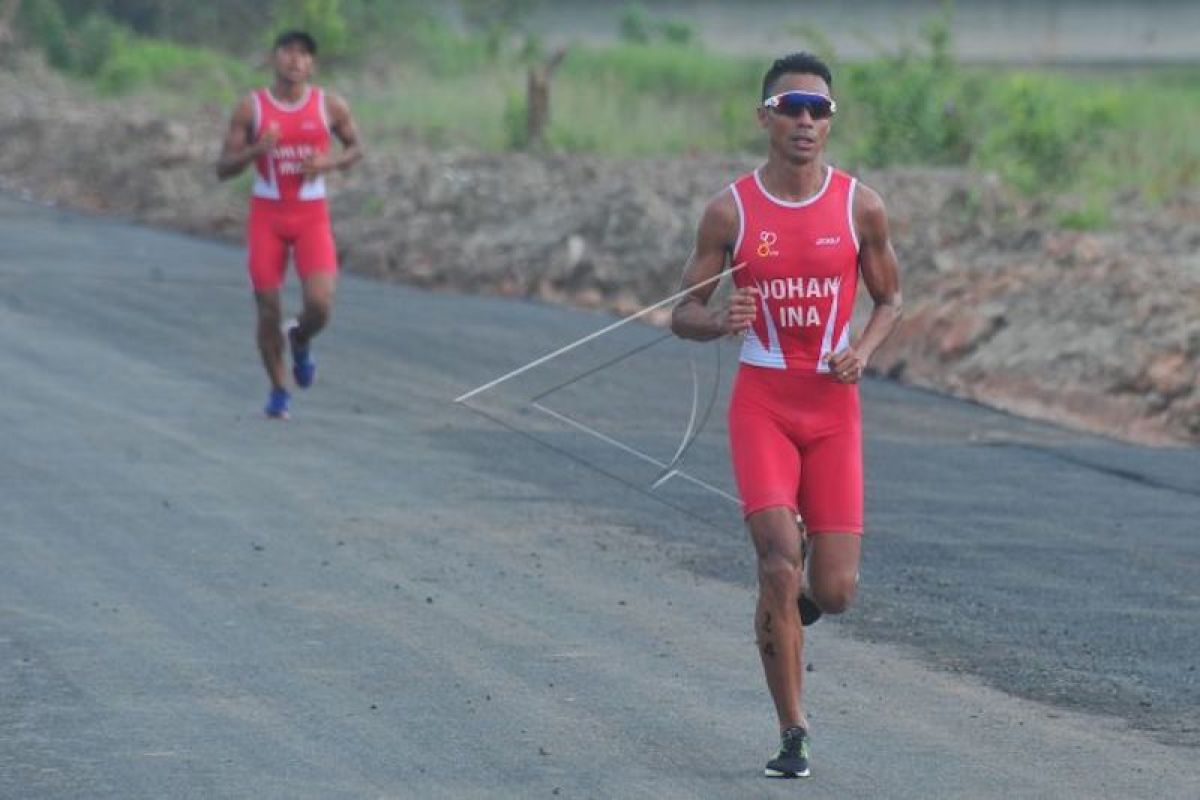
(800, 233)
(286, 131)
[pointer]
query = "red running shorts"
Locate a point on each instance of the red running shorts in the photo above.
(275, 226)
(796, 440)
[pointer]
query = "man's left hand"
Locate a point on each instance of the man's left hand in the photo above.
(847, 365)
(318, 165)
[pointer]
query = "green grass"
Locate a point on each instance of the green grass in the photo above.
(1080, 136)
(199, 74)
(665, 70)
(413, 104)
(606, 116)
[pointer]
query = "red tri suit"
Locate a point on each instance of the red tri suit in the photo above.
(288, 210)
(795, 431)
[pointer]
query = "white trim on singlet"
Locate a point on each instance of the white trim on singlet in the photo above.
(266, 188)
(312, 189)
(827, 338)
(753, 351)
(737, 201)
(844, 339)
(324, 111)
(258, 115)
(850, 212)
(289, 108)
(798, 203)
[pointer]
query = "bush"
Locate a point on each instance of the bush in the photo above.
(442, 52)
(516, 132)
(46, 26)
(676, 32)
(141, 63)
(634, 25)
(910, 107)
(1038, 131)
(99, 38)
(1093, 214)
(668, 71)
(321, 18)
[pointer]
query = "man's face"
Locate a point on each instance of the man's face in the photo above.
(293, 63)
(801, 138)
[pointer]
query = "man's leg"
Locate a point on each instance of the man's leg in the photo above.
(318, 303)
(831, 497)
(270, 335)
(270, 346)
(833, 569)
(317, 290)
(777, 621)
(317, 265)
(810, 612)
(267, 263)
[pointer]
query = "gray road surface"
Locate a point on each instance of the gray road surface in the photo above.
(393, 596)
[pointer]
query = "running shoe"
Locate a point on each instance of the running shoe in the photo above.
(304, 367)
(810, 612)
(277, 404)
(792, 759)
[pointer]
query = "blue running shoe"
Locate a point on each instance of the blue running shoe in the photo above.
(304, 367)
(277, 404)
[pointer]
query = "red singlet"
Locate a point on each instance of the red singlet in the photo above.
(286, 209)
(795, 431)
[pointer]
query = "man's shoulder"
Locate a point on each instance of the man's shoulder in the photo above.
(247, 103)
(867, 199)
(723, 205)
(721, 218)
(335, 104)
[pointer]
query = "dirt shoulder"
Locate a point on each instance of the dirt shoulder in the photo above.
(1094, 330)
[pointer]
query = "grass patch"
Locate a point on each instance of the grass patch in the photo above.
(1077, 135)
(465, 110)
(200, 74)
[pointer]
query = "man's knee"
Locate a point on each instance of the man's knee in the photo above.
(269, 308)
(834, 593)
(317, 311)
(779, 577)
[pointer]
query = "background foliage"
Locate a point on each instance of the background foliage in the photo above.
(458, 79)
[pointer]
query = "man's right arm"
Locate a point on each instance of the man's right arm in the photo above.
(715, 237)
(237, 151)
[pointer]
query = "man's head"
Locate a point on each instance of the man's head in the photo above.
(797, 106)
(796, 64)
(293, 55)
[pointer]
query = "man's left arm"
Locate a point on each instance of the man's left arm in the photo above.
(881, 274)
(341, 122)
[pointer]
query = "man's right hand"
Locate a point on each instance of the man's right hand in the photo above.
(740, 312)
(267, 140)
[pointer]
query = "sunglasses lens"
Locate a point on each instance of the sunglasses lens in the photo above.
(793, 105)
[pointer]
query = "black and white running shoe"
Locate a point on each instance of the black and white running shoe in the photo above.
(792, 759)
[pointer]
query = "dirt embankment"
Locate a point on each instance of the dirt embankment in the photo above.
(1098, 330)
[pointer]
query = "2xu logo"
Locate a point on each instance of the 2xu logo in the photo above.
(766, 244)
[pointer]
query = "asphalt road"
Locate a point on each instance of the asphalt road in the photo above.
(393, 595)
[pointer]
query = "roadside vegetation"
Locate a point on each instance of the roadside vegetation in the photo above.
(1074, 139)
